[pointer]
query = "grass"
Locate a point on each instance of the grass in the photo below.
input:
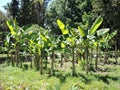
(14, 78)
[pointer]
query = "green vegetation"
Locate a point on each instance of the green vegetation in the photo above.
(67, 45)
(13, 78)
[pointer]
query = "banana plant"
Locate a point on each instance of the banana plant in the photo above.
(89, 35)
(36, 45)
(100, 37)
(106, 45)
(70, 40)
(52, 43)
(16, 33)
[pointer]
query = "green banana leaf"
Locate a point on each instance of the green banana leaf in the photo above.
(103, 31)
(96, 25)
(62, 27)
(11, 27)
(110, 36)
(81, 31)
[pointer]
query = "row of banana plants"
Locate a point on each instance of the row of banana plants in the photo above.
(37, 41)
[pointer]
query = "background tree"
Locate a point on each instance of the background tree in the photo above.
(3, 26)
(111, 20)
(69, 11)
(26, 11)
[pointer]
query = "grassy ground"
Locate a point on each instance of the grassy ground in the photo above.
(13, 78)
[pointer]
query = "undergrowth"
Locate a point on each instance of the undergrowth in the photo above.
(14, 78)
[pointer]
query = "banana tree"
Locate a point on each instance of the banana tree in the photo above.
(100, 37)
(16, 33)
(36, 45)
(52, 43)
(88, 37)
(70, 40)
(105, 43)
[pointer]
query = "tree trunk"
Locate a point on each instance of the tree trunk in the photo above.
(21, 64)
(116, 61)
(52, 63)
(8, 57)
(31, 64)
(87, 63)
(73, 63)
(91, 56)
(36, 62)
(105, 57)
(41, 63)
(12, 59)
(46, 59)
(77, 57)
(96, 61)
(46, 62)
(17, 54)
(61, 60)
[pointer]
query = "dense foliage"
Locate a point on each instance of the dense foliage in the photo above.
(64, 39)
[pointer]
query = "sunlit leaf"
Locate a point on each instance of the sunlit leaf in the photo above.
(95, 44)
(11, 27)
(110, 36)
(96, 25)
(71, 40)
(63, 45)
(81, 31)
(31, 41)
(62, 27)
(103, 31)
(43, 37)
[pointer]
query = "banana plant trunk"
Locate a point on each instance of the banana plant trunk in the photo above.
(91, 55)
(8, 57)
(12, 59)
(61, 60)
(87, 62)
(96, 61)
(52, 63)
(17, 54)
(77, 57)
(73, 62)
(8, 54)
(36, 61)
(116, 61)
(31, 64)
(105, 57)
(41, 63)
(46, 63)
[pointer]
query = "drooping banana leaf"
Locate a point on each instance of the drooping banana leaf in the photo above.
(29, 29)
(96, 25)
(102, 31)
(62, 27)
(11, 27)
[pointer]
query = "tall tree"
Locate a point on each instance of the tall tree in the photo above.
(13, 8)
(69, 11)
(111, 20)
(25, 12)
(3, 27)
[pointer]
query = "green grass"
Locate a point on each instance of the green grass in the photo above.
(13, 78)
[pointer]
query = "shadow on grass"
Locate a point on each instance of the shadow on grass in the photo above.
(62, 76)
(106, 78)
(86, 78)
